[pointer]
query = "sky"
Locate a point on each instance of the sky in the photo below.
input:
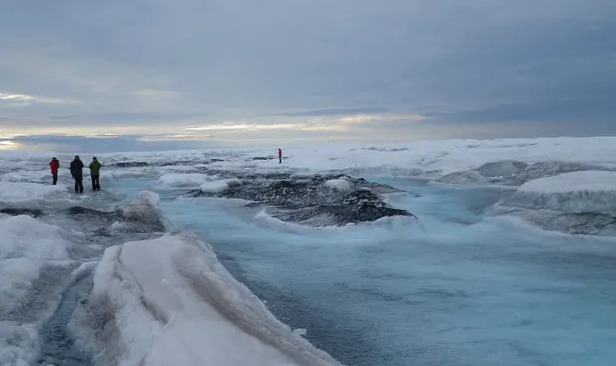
(130, 75)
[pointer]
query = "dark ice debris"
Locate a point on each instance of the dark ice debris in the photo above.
(130, 164)
(311, 201)
(16, 211)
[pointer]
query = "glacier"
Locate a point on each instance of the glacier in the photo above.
(491, 252)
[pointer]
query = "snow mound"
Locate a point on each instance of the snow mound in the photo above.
(26, 237)
(169, 301)
(218, 186)
(515, 173)
(577, 192)
(338, 184)
(589, 181)
(182, 180)
(578, 203)
(19, 192)
(545, 169)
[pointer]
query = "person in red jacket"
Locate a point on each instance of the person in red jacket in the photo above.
(279, 156)
(54, 164)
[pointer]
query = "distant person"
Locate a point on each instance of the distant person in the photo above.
(95, 171)
(279, 156)
(77, 173)
(54, 164)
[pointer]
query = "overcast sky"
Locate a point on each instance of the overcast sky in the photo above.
(110, 75)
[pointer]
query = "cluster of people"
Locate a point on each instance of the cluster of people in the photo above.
(76, 168)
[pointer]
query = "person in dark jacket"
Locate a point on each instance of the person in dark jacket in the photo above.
(279, 156)
(95, 171)
(77, 173)
(54, 164)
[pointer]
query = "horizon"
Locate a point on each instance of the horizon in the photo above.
(296, 148)
(137, 76)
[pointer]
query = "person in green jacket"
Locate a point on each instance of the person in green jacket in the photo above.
(95, 171)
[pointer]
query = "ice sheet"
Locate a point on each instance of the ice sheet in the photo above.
(429, 159)
(447, 248)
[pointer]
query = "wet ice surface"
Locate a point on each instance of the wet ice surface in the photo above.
(59, 346)
(461, 289)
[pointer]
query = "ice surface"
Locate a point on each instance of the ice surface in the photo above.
(462, 287)
(16, 192)
(169, 301)
(142, 215)
(26, 246)
(36, 176)
(502, 161)
(24, 236)
(18, 343)
(466, 177)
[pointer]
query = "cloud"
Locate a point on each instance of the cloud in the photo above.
(243, 126)
(307, 69)
(335, 111)
(154, 93)
(99, 144)
(331, 122)
(26, 100)
(547, 112)
(15, 97)
(176, 137)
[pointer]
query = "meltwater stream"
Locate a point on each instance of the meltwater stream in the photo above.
(461, 289)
